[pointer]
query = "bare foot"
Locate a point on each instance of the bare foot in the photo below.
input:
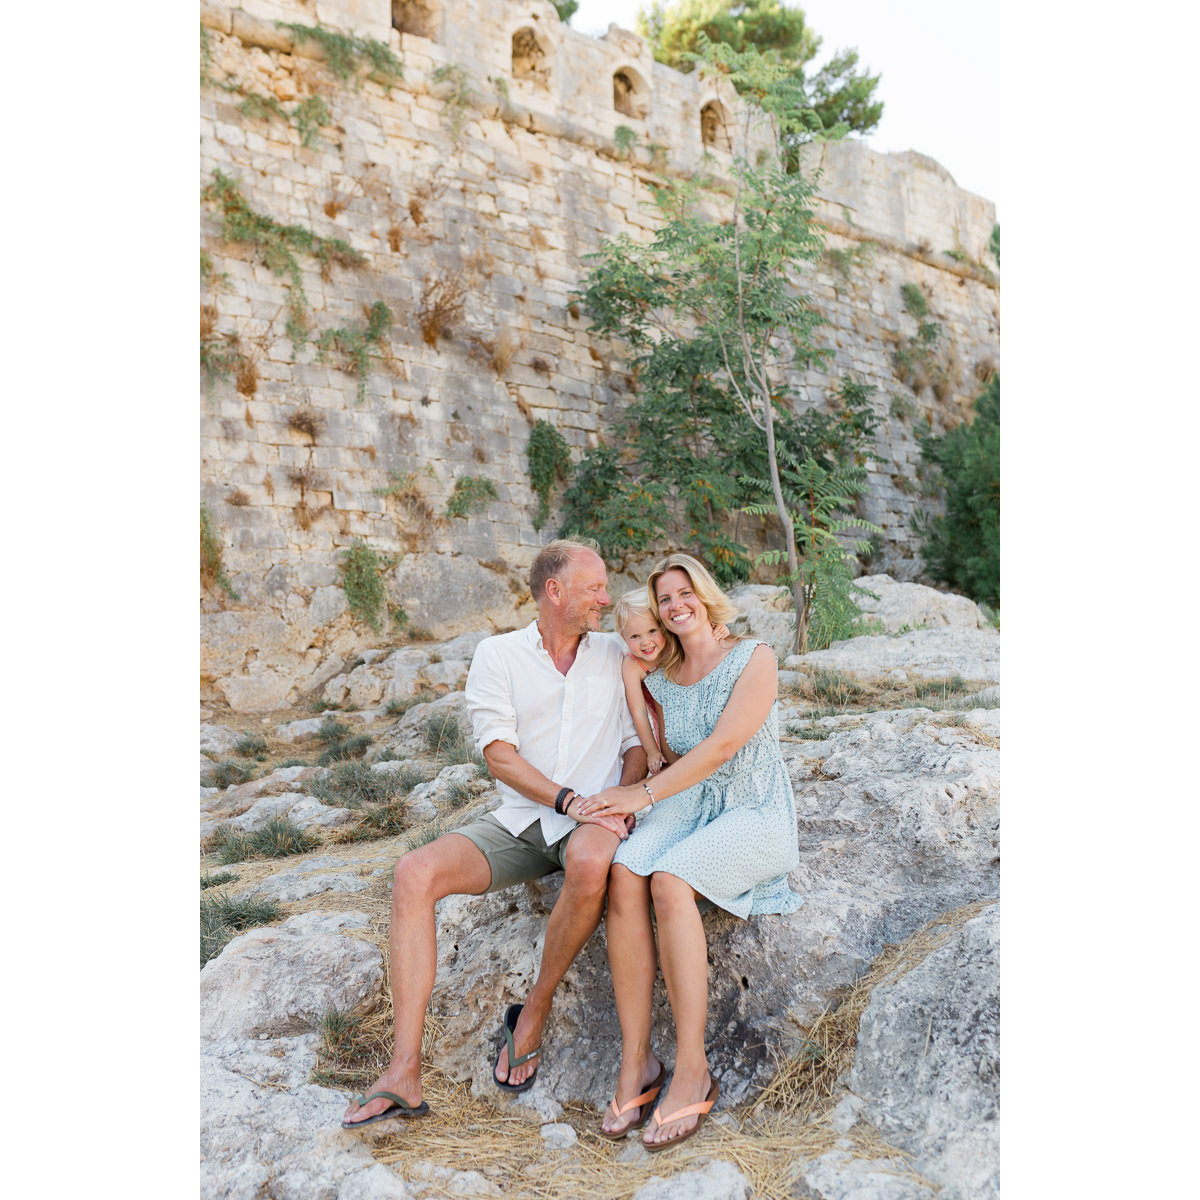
(406, 1084)
(687, 1088)
(635, 1079)
(526, 1036)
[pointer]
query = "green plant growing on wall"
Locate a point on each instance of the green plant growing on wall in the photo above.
(212, 557)
(565, 9)
(310, 114)
(456, 99)
(262, 108)
(549, 463)
(207, 79)
(278, 245)
(471, 494)
(994, 243)
(915, 303)
(363, 582)
(844, 260)
(962, 547)
(625, 139)
(346, 54)
(354, 342)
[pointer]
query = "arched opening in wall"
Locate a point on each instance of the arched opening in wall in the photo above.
(716, 128)
(417, 17)
(530, 61)
(631, 95)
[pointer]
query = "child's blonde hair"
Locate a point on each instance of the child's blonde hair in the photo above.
(632, 604)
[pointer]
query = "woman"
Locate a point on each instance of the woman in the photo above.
(721, 830)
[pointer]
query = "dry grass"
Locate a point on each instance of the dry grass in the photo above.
(308, 422)
(441, 306)
(237, 497)
(497, 352)
(395, 238)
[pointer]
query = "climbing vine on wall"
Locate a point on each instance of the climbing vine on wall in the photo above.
(278, 245)
(549, 463)
(347, 54)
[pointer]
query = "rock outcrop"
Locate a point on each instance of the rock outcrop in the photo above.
(898, 822)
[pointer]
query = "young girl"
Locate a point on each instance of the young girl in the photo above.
(643, 636)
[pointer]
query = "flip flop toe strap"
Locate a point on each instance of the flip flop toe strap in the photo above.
(692, 1110)
(513, 1061)
(361, 1101)
(636, 1102)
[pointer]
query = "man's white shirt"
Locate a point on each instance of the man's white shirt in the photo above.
(574, 728)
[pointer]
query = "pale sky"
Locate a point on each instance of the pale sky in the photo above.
(940, 63)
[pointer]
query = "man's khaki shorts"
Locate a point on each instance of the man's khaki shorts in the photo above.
(516, 858)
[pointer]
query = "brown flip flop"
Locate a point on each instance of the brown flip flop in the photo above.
(646, 1100)
(702, 1109)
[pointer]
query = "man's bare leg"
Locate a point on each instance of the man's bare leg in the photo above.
(574, 919)
(449, 865)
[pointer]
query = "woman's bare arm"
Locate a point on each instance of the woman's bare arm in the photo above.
(745, 711)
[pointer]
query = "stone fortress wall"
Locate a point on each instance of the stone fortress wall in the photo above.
(484, 188)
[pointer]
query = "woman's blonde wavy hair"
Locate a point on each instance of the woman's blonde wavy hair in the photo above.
(721, 610)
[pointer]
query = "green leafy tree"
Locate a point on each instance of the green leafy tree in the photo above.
(566, 9)
(838, 97)
(717, 327)
(962, 546)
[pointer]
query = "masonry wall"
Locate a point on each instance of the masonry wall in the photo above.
(499, 192)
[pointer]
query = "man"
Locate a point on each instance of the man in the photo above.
(549, 716)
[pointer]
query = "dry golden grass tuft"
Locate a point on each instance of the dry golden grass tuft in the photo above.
(307, 421)
(498, 352)
(237, 497)
(442, 301)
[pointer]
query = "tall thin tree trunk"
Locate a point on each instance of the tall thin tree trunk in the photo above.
(789, 530)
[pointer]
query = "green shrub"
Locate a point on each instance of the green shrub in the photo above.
(448, 741)
(471, 494)
(223, 917)
(352, 784)
(251, 745)
(549, 462)
(279, 838)
(397, 708)
(346, 54)
(226, 773)
(207, 881)
(363, 583)
(350, 747)
(212, 560)
(961, 548)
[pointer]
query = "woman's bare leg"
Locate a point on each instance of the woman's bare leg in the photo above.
(634, 965)
(684, 953)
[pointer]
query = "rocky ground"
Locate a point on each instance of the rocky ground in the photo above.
(856, 1041)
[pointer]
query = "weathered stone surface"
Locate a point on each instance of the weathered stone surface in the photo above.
(298, 808)
(407, 737)
(917, 606)
(282, 979)
(216, 740)
(452, 594)
(299, 731)
(439, 795)
(718, 1181)
(973, 654)
(841, 1175)
(927, 1064)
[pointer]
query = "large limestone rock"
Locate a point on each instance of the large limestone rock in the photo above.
(898, 823)
(973, 654)
(914, 605)
(282, 979)
(450, 594)
(765, 614)
(927, 1065)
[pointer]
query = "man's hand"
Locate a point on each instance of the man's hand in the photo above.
(621, 826)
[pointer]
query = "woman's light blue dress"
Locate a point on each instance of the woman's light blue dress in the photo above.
(732, 836)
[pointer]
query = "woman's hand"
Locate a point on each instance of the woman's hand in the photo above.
(615, 801)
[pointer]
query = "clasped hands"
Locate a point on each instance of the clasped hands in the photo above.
(614, 802)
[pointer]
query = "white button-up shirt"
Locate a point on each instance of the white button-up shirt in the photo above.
(574, 728)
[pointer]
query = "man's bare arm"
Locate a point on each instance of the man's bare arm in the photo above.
(509, 767)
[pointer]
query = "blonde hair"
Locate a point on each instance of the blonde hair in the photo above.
(632, 604)
(721, 610)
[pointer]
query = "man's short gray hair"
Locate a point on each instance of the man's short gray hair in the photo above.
(553, 559)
